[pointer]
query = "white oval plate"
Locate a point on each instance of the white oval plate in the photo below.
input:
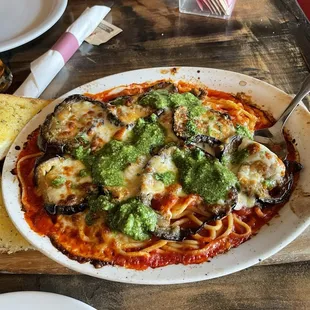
(40, 300)
(272, 238)
(24, 20)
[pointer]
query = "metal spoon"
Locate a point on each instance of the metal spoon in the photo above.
(273, 137)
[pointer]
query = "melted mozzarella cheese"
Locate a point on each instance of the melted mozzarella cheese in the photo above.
(71, 188)
(259, 172)
(71, 118)
(158, 164)
(215, 124)
(101, 133)
(245, 201)
(130, 114)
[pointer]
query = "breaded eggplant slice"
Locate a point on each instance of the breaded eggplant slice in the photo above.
(164, 230)
(64, 184)
(170, 87)
(282, 193)
(225, 150)
(259, 171)
(78, 120)
(126, 110)
(159, 173)
(128, 113)
(209, 123)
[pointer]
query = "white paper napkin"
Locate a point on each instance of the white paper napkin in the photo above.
(45, 68)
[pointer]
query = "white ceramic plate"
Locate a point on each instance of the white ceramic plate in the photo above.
(39, 301)
(272, 238)
(24, 20)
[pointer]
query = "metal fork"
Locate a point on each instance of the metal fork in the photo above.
(273, 137)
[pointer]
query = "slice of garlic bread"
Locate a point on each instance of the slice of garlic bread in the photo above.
(15, 113)
(11, 240)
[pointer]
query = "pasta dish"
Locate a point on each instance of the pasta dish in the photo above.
(154, 174)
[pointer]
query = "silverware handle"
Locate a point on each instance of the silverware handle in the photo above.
(304, 90)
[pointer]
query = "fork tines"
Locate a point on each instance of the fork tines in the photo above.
(216, 7)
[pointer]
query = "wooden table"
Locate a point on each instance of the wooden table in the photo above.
(269, 40)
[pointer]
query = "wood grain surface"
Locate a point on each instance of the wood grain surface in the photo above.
(264, 287)
(269, 40)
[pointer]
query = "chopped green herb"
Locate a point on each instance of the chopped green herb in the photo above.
(269, 183)
(244, 131)
(81, 153)
(167, 177)
(58, 181)
(83, 173)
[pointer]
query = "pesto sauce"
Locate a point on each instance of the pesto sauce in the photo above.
(240, 156)
(193, 114)
(148, 134)
(134, 219)
(109, 163)
(157, 99)
(100, 203)
(161, 98)
(191, 128)
(167, 177)
(204, 176)
(107, 166)
(244, 132)
(196, 111)
(83, 154)
(185, 99)
(119, 100)
(130, 217)
(97, 204)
